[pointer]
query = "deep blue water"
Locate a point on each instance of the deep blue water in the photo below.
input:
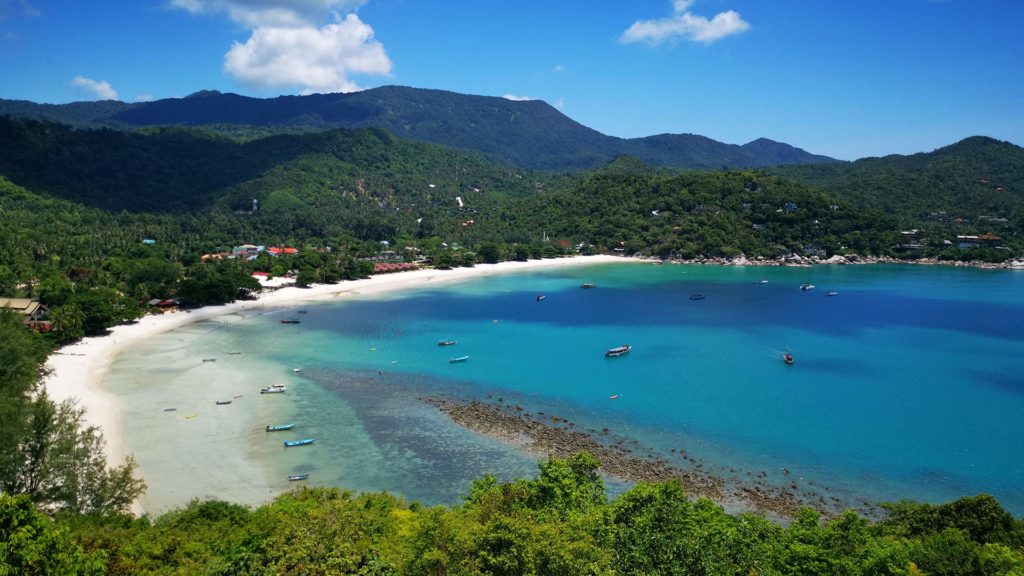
(907, 384)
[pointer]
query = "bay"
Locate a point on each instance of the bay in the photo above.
(907, 383)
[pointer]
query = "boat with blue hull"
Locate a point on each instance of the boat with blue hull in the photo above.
(303, 442)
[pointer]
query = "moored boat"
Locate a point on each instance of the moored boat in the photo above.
(209, 359)
(588, 285)
(297, 477)
(540, 297)
(303, 442)
(458, 359)
(447, 342)
(807, 286)
(274, 389)
(280, 427)
(223, 402)
(291, 321)
(617, 351)
(696, 296)
(832, 293)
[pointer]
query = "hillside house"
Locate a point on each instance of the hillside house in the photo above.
(967, 242)
(990, 240)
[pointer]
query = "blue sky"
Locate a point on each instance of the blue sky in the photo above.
(842, 78)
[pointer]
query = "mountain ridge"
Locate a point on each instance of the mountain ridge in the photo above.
(530, 134)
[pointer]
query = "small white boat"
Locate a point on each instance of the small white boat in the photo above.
(763, 282)
(296, 369)
(807, 286)
(617, 351)
(274, 389)
(209, 359)
(832, 293)
(458, 359)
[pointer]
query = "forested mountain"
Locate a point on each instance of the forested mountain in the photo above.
(529, 134)
(95, 223)
(186, 170)
(973, 186)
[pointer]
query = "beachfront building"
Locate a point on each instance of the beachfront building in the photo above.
(386, 267)
(165, 305)
(279, 250)
(31, 312)
(267, 280)
(28, 309)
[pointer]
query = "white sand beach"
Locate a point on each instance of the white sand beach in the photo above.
(78, 371)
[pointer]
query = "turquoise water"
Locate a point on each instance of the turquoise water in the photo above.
(909, 383)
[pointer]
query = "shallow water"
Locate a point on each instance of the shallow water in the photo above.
(908, 383)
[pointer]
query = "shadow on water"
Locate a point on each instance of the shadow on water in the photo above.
(1009, 382)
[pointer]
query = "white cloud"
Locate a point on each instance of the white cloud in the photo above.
(289, 47)
(558, 68)
(144, 98)
(101, 89)
(515, 98)
(255, 13)
(686, 25)
(314, 59)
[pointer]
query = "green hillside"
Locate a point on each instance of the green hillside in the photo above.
(971, 187)
(528, 134)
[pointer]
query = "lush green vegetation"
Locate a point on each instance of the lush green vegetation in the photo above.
(969, 188)
(530, 134)
(47, 453)
(76, 205)
(559, 523)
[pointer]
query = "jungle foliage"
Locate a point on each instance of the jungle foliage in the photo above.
(561, 523)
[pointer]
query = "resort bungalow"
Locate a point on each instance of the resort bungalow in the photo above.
(385, 267)
(247, 251)
(967, 242)
(168, 305)
(990, 240)
(986, 240)
(30, 311)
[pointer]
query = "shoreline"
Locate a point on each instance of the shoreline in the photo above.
(77, 371)
(797, 261)
(544, 435)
